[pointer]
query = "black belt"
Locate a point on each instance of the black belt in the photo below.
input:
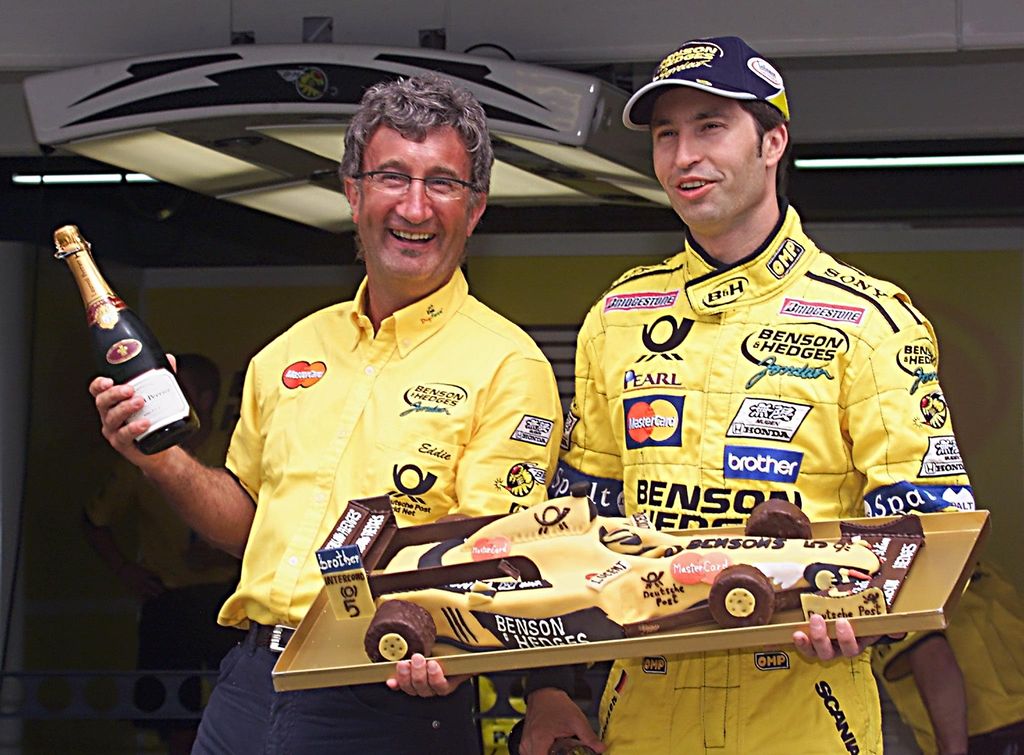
(275, 638)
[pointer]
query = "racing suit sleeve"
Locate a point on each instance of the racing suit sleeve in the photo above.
(900, 427)
(590, 452)
(512, 453)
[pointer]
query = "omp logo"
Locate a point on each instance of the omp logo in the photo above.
(303, 374)
(653, 421)
(768, 419)
(834, 709)
(771, 661)
(771, 464)
(655, 664)
(411, 481)
(663, 336)
(645, 300)
(821, 310)
(725, 293)
(691, 55)
(784, 258)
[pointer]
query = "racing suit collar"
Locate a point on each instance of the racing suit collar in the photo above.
(415, 323)
(784, 256)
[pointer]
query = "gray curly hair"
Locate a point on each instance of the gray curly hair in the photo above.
(413, 107)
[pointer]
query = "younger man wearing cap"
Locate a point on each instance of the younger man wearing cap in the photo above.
(750, 365)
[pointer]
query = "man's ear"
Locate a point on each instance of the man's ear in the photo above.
(354, 195)
(476, 211)
(773, 144)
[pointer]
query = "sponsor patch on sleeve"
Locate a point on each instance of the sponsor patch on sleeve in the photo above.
(905, 497)
(942, 459)
(533, 430)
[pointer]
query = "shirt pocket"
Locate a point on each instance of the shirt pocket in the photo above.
(422, 468)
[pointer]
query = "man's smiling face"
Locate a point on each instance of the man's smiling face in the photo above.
(413, 243)
(718, 174)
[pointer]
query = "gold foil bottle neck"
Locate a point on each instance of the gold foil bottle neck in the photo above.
(69, 240)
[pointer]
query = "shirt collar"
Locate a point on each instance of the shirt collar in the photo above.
(415, 323)
(784, 256)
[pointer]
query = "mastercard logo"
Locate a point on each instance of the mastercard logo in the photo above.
(691, 568)
(653, 421)
(303, 374)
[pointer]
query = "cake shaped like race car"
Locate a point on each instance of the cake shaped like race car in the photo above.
(557, 573)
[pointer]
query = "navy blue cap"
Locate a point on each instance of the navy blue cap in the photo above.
(726, 66)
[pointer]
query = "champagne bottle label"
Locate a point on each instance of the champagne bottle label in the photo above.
(165, 403)
(104, 312)
(123, 350)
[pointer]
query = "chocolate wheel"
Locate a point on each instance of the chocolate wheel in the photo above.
(741, 596)
(777, 517)
(398, 630)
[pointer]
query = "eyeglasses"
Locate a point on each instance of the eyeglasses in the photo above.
(436, 187)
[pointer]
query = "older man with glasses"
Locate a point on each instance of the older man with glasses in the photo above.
(414, 389)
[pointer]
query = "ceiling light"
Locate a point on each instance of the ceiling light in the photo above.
(930, 161)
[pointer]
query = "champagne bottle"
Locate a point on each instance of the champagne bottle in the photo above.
(126, 350)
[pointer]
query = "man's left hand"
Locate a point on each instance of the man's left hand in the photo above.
(815, 644)
(423, 678)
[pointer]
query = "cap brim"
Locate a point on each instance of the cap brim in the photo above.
(636, 115)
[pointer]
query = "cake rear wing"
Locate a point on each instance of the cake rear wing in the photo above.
(363, 531)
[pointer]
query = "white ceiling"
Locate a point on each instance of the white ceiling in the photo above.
(869, 70)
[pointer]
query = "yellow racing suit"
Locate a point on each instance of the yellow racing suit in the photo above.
(702, 390)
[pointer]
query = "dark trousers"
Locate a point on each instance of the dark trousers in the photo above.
(246, 715)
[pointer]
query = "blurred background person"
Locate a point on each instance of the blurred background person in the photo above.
(179, 580)
(962, 690)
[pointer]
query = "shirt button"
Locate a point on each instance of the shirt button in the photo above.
(405, 342)
(435, 724)
(369, 369)
(293, 560)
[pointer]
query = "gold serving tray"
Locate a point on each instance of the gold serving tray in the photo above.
(328, 652)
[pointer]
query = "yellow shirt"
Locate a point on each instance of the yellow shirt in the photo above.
(986, 632)
(166, 545)
(449, 408)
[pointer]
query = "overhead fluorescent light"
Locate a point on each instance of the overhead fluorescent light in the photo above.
(304, 203)
(254, 120)
(931, 161)
(174, 160)
(79, 178)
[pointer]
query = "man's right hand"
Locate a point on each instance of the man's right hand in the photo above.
(550, 714)
(115, 404)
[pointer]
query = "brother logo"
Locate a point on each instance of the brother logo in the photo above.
(772, 464)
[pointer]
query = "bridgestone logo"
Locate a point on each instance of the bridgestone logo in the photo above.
(648, 300)
(822, 311)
